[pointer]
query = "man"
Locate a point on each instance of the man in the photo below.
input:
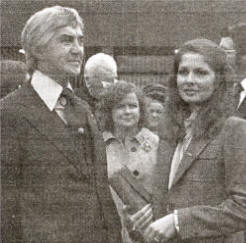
(233, 42)
(99, 72)
(53, 163)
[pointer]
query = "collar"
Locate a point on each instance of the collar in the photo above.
(47, 89)
(243, 93)
(140, 137)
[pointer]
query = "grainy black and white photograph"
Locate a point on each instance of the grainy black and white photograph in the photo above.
(123, 121)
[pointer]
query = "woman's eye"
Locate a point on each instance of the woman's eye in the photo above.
(119, 106)
(201, 72)
(183, 72)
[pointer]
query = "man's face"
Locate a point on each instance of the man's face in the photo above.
(97, 82)
(63, 54)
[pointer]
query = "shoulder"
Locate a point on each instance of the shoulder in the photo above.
(12, 103)
(236, 123)
(234, 131)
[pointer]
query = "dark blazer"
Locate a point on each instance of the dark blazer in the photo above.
(209, 189)
(48, 193)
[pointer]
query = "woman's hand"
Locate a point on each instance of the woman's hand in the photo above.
(140, 220)
(161, 230)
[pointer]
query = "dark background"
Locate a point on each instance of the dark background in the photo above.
(141, 34)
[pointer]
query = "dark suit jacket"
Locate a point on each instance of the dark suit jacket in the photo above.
(48, 194)
(209, 189)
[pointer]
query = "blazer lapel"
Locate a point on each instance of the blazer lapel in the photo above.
(49, 125)
(193, 151)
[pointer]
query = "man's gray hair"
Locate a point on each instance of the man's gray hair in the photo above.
(100, 65)
(41, 27)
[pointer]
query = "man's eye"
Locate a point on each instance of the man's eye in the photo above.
(67, 40)
(81, 41)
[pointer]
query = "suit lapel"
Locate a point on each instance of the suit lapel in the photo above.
(193, 151)
(49, 125)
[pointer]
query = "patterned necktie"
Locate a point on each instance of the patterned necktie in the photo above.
(75, 113)
(72, 109)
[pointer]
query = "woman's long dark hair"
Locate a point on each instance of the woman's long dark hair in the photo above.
(220, 105)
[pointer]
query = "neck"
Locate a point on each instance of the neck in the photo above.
(122, 133)
(61, 79)
(194, 108)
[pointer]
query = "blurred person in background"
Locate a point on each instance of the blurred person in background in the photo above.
(154, 105)
(199, 193)
(13, 75)
(233, 42)
(131, 149)
(99, 72)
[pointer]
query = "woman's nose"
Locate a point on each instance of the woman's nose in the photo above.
(190, 78)
(127, 109)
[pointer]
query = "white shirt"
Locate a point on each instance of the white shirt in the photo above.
(243, 93)
(49, 91)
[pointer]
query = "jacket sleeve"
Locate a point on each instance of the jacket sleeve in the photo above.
(112, 220)
(10, 175)
(230, 216)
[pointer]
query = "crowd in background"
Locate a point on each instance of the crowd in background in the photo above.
(175, 154)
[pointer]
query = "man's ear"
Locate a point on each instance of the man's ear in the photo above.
(38, 52)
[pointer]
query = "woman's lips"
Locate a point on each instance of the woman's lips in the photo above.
(190, 91)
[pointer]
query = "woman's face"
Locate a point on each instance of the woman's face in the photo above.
(195, 79)
(126, 113)
(154, 111)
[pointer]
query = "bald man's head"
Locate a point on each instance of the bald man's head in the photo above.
(100, 71)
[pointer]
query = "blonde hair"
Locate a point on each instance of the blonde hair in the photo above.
(41, 27)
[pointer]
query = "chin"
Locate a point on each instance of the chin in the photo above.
(74, 72)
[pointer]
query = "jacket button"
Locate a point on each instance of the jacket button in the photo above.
(135, 172)
(133, 149)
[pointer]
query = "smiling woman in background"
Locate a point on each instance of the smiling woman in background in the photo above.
(199, 194)
(131, 149)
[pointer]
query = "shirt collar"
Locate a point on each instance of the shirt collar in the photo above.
(47, 89)
(107, 136)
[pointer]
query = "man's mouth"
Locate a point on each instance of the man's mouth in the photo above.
(75, 62)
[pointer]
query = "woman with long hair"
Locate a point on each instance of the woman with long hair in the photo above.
(199, 193)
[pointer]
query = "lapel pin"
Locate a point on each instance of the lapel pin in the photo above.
(81, 130)
(63, 101)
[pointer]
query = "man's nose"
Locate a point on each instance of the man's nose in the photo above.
(77, 48)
